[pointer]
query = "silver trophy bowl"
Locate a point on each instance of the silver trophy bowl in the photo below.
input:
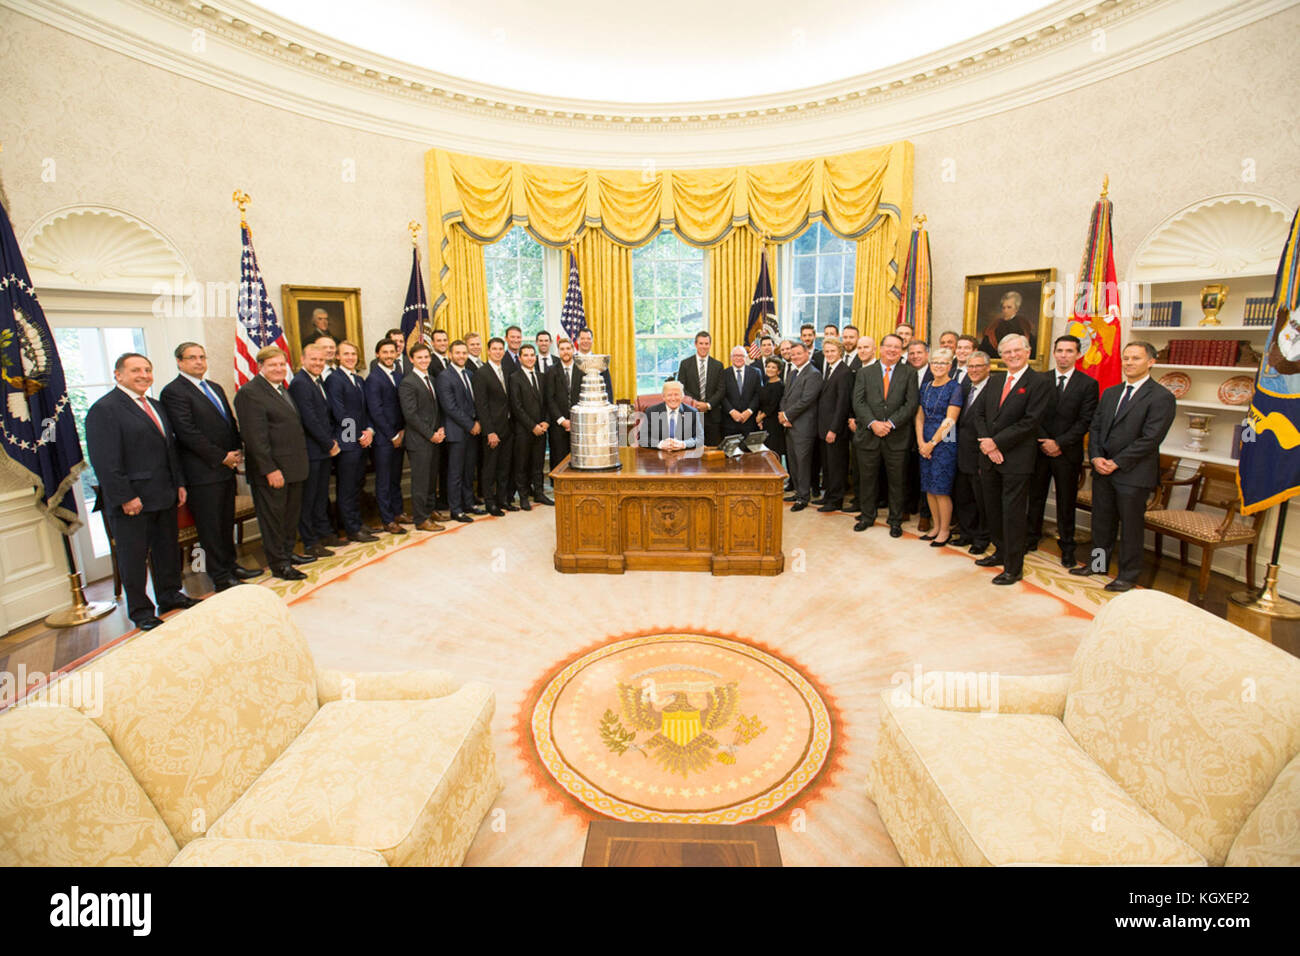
(594, 430)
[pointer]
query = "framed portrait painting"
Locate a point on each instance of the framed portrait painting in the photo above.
(312, 311)
(1003, 303)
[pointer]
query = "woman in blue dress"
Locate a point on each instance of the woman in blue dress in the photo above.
(936, 434)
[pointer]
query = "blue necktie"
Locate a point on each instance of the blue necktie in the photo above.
(672, 424)
(207, 390)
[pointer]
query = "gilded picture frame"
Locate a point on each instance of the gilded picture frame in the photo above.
(341, 318)
(1000, 303)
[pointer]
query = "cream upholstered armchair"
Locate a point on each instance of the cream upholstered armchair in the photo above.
(214, 740)
(1174, 739)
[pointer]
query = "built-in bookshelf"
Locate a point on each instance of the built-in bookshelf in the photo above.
(1208, 345)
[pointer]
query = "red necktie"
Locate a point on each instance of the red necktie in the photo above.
(153, 416)
(1006, 390)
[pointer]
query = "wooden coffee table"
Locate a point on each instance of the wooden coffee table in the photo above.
(614, 843)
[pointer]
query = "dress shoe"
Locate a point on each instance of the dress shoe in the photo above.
(1067, 559)
(895, 531)
(961, 541)
(543, 500)
(244, 574)
(180, 605)
(496, 512)
(363, 535)
(928, 537)
(394, 528)
(429, 524)
(462, 518)
(148, 623)
(799, 506)
(525, 505)
(219, 586)
(478, 510)
(923, 524)
(321, 551)
(936, 543)
(828, 507)
(1120, 586)
(1081, 571)
(332, 541)
(404, 518)
(301, 558)
(478, 500)
(511, 506)
(289, 574)
(790, 498)
(862, 524)
(817, 500)
(977, 548)
(990, 560)
(1006, 577)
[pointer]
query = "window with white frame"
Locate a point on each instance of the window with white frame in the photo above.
(818, 268)
(668, 306)
(513, 269)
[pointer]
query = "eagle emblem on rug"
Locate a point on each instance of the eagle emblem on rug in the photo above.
(682, 718)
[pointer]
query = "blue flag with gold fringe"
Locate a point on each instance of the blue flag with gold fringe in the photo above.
(38, 435)
(1269, 472)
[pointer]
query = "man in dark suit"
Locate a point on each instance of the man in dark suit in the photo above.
(671, 425)
(492, 403)
(545, 358)
(209, 448)
(133, 451)
(562, 392)
(355, 436)
(400, 362)
(834, 404)
(277, 460)
(308, 392)
(1131, 421)
(1006, 426)
(440, 359)
(424, 436)
(514, 341)
(529, 421)
(798, 416)
(808, 336)
(1060, 447)
(968, 501)
(385, 412)
(884, 404)
(740, 395)
(701, 376)
(455, 391)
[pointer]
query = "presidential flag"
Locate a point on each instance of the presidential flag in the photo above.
(257, 326)
(1095, 322)
(572, 317)
(762, 311)
(1269, 471)
(38, 433)
(917, 299)
(415, 314)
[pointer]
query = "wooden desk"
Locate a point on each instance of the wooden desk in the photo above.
(614, 843)
(671, 511)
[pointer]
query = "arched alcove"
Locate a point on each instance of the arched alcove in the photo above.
(1232, 234)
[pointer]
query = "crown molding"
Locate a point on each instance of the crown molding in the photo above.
(249, 52)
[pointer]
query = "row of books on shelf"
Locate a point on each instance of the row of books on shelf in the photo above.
(1167, 315)
(1158, 315)
(1203, 352)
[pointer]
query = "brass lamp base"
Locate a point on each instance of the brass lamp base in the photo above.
(1260, 613)
(82, 611)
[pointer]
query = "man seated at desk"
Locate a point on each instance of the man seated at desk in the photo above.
(670, 425)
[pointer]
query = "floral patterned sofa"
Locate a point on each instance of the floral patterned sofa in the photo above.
(1174, 740)
(214, 740)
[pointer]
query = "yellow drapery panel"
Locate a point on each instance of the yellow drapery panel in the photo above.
(466, 288)
(733, 271)
(605, 274)
(862, 195)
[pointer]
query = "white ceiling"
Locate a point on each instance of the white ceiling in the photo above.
(652, 52)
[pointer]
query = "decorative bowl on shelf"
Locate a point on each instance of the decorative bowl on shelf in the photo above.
(1177, 382)
(1198, 429)
(1238, 390)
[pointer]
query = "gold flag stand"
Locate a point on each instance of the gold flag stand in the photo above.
(82, 611)
(1263, 611)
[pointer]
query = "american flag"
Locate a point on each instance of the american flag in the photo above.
(572, 318)
(257, 326)
(762, 311)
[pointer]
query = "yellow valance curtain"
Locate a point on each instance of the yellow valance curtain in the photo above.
(471, 201)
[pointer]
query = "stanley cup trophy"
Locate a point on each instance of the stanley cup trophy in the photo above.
(595, 425)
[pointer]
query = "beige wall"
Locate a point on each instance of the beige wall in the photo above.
(1021, 184)
(171, 151)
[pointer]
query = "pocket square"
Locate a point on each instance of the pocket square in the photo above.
(1020, 391)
